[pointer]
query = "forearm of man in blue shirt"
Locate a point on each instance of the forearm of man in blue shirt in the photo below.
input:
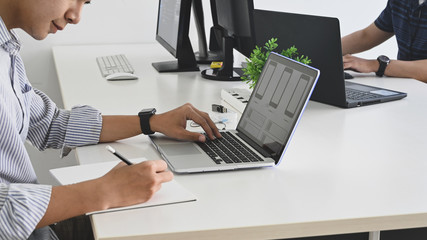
(368, 38)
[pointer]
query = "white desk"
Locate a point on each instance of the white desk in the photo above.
(347, 170)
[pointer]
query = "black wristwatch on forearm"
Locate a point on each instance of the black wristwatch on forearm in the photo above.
(144, 119)
(383, 61)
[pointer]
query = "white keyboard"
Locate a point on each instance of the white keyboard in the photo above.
(114, 64)
(236, 97)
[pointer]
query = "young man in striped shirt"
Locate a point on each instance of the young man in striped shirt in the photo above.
(405, 19)
(27, 208)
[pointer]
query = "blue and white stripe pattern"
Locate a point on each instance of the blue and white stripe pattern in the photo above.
(407, 19)
(28, 114)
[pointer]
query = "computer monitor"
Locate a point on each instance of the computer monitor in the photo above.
(204, 55)
(234, 29)
(173, 24)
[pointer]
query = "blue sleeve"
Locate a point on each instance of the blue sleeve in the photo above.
(385, 21)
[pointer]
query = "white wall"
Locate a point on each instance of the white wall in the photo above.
(134, 21)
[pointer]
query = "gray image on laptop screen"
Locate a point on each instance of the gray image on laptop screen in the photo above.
(275, 105)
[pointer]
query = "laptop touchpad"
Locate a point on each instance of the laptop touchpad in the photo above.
(180, 149)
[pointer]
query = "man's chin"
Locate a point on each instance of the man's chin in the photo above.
(39, 36)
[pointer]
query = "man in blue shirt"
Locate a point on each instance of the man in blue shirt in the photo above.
(26, 114)
(405, 19)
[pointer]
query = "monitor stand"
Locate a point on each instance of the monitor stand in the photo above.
(226, 72)
(208, 57)
(204, 56)
(186, 62)
(174, 66)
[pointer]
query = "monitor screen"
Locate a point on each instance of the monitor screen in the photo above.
(173, 23)
(236, 20)
(168, 23)
(234, 29)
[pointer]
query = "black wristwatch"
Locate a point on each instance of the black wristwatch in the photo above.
(144, 119)
(384, 61)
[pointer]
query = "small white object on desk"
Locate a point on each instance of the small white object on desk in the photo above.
(226, 120)
(236, 97)
(121, 76)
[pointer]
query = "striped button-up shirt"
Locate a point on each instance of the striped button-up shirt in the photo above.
(28, 114)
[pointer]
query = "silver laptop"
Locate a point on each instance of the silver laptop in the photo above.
(264, 130)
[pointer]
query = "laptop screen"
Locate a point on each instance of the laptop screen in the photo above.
(276, 103)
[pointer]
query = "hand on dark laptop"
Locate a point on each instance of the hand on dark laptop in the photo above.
(174, 123)
(359, 64)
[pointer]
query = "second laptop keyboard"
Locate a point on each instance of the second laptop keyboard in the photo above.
(228, 149)
(359, 95)
(114, 64)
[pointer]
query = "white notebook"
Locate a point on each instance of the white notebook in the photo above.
(170, 192)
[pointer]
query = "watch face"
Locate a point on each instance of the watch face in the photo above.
(148, 110)
(384, 59)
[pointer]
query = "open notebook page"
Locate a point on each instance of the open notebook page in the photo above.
(170, 192)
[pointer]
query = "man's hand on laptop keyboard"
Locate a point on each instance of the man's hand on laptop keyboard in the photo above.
(174, 123)
(359, 64)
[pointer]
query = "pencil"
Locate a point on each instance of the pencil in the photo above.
(113, 151)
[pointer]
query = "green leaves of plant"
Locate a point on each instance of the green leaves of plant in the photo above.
(259, 56)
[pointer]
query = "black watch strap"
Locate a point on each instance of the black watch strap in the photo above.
(144, 119)
(383, 61)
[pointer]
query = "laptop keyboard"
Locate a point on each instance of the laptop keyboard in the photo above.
(354, 94)
(228, 149)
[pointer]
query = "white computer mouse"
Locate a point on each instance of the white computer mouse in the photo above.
(121, 76)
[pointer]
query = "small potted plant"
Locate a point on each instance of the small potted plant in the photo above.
(259, 56)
